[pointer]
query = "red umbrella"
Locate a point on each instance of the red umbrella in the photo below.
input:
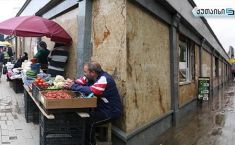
(34, 26)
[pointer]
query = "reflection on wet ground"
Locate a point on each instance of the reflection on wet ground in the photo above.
(212, 123)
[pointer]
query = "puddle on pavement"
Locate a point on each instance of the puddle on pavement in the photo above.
(220, 119)
(206, 124)
(216, 131)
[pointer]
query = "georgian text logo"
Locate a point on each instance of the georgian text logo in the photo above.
(212, 12)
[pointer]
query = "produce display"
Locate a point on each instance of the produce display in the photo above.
(59, 82)
(60, 94)
(31, 74)
(41, 83)
(49, 84)
(53, 88)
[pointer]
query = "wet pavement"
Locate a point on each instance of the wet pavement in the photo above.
(14, 129)
(212, 123)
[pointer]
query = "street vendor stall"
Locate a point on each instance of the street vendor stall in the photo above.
(59, 113)
(57, 110)
(14, 77)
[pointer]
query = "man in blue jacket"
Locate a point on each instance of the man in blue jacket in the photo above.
(109, 107)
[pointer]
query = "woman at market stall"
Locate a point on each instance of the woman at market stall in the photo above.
(58, 59)
(102, 85)
(42, 55)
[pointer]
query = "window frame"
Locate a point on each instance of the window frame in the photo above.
(190, 59)
(216, 67)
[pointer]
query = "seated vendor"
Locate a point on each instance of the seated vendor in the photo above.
(109, 106)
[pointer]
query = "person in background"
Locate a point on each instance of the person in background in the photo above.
(42, 55)
(24, 57)
(57, 60)
(102, 85)
(1, 62)
(21, 60)
(6, 56)
(10, 53)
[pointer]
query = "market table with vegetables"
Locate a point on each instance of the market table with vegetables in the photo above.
(55, 108)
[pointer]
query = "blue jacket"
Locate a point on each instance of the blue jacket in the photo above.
(108, 98)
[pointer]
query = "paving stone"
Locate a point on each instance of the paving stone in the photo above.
(5, 132)
(5, 140)
(14, 129)
(2, 114)
(10, 127)
(3, 118)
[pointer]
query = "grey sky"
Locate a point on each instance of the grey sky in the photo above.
(223, 27)
(9, 8)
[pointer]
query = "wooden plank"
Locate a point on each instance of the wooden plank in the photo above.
(67, 103)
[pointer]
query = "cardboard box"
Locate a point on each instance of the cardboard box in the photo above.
(75, 102)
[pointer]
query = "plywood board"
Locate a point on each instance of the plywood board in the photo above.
(148, 68)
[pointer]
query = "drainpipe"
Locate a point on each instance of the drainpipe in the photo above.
(174, 67)
(84, 46)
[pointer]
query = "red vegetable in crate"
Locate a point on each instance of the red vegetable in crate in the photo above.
(60, 94)
(41, 83)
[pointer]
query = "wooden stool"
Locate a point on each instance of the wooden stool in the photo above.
(104, 134)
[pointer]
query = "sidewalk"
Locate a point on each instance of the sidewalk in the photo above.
(14, 129)
(211, 124)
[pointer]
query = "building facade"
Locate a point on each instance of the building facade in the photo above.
(155, 50)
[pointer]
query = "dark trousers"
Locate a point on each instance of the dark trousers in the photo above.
(95, 119)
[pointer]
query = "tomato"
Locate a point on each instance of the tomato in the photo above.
(41, 81)
(57, 95)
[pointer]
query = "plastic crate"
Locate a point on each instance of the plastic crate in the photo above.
(17, 85)
(65, 129)
(31, 110)
(63, 122)
(61, 139)
(35, 91)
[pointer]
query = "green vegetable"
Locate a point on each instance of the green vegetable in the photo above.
(53, 88)
(31, 73)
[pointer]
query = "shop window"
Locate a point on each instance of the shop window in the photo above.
(186, 60)
(183, 62)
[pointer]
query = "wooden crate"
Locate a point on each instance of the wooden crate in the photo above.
(74, 102)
